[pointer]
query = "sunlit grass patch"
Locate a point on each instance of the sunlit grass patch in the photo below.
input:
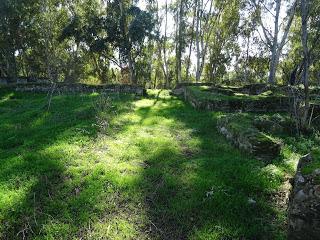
(157, 170)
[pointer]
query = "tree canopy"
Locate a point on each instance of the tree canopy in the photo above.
(158, 43)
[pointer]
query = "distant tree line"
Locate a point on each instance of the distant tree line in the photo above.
(167, 42)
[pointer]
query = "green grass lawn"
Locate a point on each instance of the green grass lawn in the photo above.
(144, 168)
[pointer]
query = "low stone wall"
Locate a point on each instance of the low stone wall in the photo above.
(248, 138)
(22, 80)
(78, 88)
(187, 84)
(304, 202)
(263, 105)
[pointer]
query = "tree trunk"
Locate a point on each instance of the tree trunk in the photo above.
(198, 39)
(305, 74)
(273, 60)
(191, 41)
(179, 43)
(203, 33)
(133, 78)
(165, 63)
(272, 40)
(273, 67)
(246, 70)
(12, 66)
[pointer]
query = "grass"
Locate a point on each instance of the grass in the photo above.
(315, 164)
(159, 170)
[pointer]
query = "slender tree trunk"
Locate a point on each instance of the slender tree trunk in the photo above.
(272, 39)
(273, 60)
(304, 41)
(133, 78)
(179, 41)
(203, 34)
(273, 66)
(246, 72)
(199, 8)
(191, 41)
(12, 66)
(165, 62)
(162, 45)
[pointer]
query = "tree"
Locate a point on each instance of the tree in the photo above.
(305, 5)
(273, 40)
(16, 32)
(180, 25)
(222, 44)
(122, 29)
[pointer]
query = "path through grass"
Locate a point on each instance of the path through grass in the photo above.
(159, 170)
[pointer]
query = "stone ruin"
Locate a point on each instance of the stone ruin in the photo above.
(230, 103)
(304, 202)
(44, 86)
(249, 138)
(80, 88)
(22, 80)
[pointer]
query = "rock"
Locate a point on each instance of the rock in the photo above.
(300, 196)
(316, 172)
(304, 160)
(178, 91)
(299, 179)
(251, 201)
(3, 81)
(316, 191)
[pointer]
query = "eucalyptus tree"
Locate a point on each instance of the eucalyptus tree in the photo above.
(161, 39)
(216, 25)
(205, 12)
(223, 44)
(179, 9)
(274, 40)
(127, 27)
(191, 34)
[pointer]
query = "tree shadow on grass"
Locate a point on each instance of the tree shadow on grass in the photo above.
(204, 192)
(46, 191)
(189, 183)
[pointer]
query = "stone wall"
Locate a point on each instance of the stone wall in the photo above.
(262, 105)
(59, 88)
(22, 80)
(187, 84)
(304, 203)
(248, 138)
